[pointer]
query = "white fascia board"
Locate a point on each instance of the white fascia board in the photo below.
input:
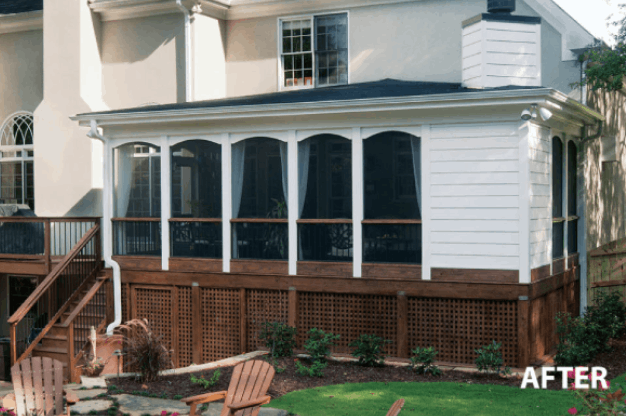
(21, 22)
(573, 34)
(129, 9)
(556, 100)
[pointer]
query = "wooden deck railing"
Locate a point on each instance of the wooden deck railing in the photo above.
(55, 294)
(41, 238)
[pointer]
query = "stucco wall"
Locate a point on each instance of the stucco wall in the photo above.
(143, 61)
(209, 58)
(419, 41)
(605, 182)
(21, 69)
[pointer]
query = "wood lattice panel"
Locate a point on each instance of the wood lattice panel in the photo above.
(263, 306)
(185, 327)
(456, 327)
(125, 303)
(220, 323)
(348, 316)
(158, 306)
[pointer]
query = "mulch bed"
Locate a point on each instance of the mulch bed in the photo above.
(288, 380)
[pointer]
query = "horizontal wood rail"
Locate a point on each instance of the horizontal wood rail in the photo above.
(57, 291)
(326, 221)
(142, 219)
(390, 221)
(259, 220)
(195, 220)
(52, 219)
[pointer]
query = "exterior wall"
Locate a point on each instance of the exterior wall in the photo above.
(143, 61)
(475, 196)
(605, 181)
(540, 196)
(4, 307)
(422, 40)
(21, 66)
(209, 58)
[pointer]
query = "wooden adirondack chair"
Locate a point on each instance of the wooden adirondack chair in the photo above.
(395, 408)
(246, 391)
(38, 385)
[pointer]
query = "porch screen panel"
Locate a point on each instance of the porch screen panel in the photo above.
(325, 186)
(137, 200)
(259, 189)
(196, 229)
(558, 222)
(572, 215)
(392, 197)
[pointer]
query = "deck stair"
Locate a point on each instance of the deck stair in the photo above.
(75, 296)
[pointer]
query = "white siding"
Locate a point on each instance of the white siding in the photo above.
(474, 196)
(540, 196)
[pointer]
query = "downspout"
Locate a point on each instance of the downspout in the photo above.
(106, 229)
(188, 73)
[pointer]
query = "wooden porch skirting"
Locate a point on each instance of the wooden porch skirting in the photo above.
(207, 316)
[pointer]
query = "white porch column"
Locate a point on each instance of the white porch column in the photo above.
(107, 202)
(527, 135)
(357, 201)
(425, 207)
(293, 200)
(166, 202)
(227, 201)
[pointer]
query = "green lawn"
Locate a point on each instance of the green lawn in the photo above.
(438, 399)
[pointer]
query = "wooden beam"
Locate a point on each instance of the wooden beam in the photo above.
(196, 324)
(475, 276)
(243, 319)
(292, 313)
(403, 323)
(523, 333)
(609, 283)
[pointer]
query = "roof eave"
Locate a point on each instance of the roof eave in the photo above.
(434, 101)
(21, 22)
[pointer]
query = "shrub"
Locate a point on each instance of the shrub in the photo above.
(369, 349)
(580, 339)
(422, 362)
(145, 351)
(315, 370)
(319, 343)
(178, 396)
(575, 344)
(279, 337)
(206, 384)
(489, 359)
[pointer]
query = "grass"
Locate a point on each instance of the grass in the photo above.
(425, 399)
(429, 398)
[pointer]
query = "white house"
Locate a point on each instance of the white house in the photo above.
(418, 169)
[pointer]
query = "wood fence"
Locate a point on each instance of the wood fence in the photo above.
(607, 270)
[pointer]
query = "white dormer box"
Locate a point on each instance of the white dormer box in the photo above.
(501, 50)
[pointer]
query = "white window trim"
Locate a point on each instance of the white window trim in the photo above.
(279, 50)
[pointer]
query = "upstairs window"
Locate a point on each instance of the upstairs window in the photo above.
(16, 160)
(558, 221)
(314, 51)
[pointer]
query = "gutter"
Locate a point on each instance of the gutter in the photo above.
(188, 73)
(106, 230)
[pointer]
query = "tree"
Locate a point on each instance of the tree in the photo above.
(606, 66)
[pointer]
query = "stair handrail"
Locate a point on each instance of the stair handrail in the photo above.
(54, 274)
(74, 358)
(16, 318)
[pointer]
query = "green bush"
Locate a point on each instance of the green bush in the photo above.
(279, 337)
(315, 370)
(319, 343)
(580, 339)
(369, 349)
(422, 362)
(489, 359)
(206, 384)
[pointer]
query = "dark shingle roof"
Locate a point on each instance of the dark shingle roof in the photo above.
(20, 6)
(386, 88)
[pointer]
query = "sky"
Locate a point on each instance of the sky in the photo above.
(592, 14)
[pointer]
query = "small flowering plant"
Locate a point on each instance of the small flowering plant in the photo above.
(6, 412)
(600, 401)
(166, 413)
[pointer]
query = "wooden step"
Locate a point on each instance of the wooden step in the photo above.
(54, 353)
(54, 341)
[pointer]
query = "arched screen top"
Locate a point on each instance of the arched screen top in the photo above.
(17, 130)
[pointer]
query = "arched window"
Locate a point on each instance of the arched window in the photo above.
(16, 160)
(259, 199)
(137, 200)
(196, 175)
(572, 214)
(392, 199)
(325, 199)
(558, 221)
